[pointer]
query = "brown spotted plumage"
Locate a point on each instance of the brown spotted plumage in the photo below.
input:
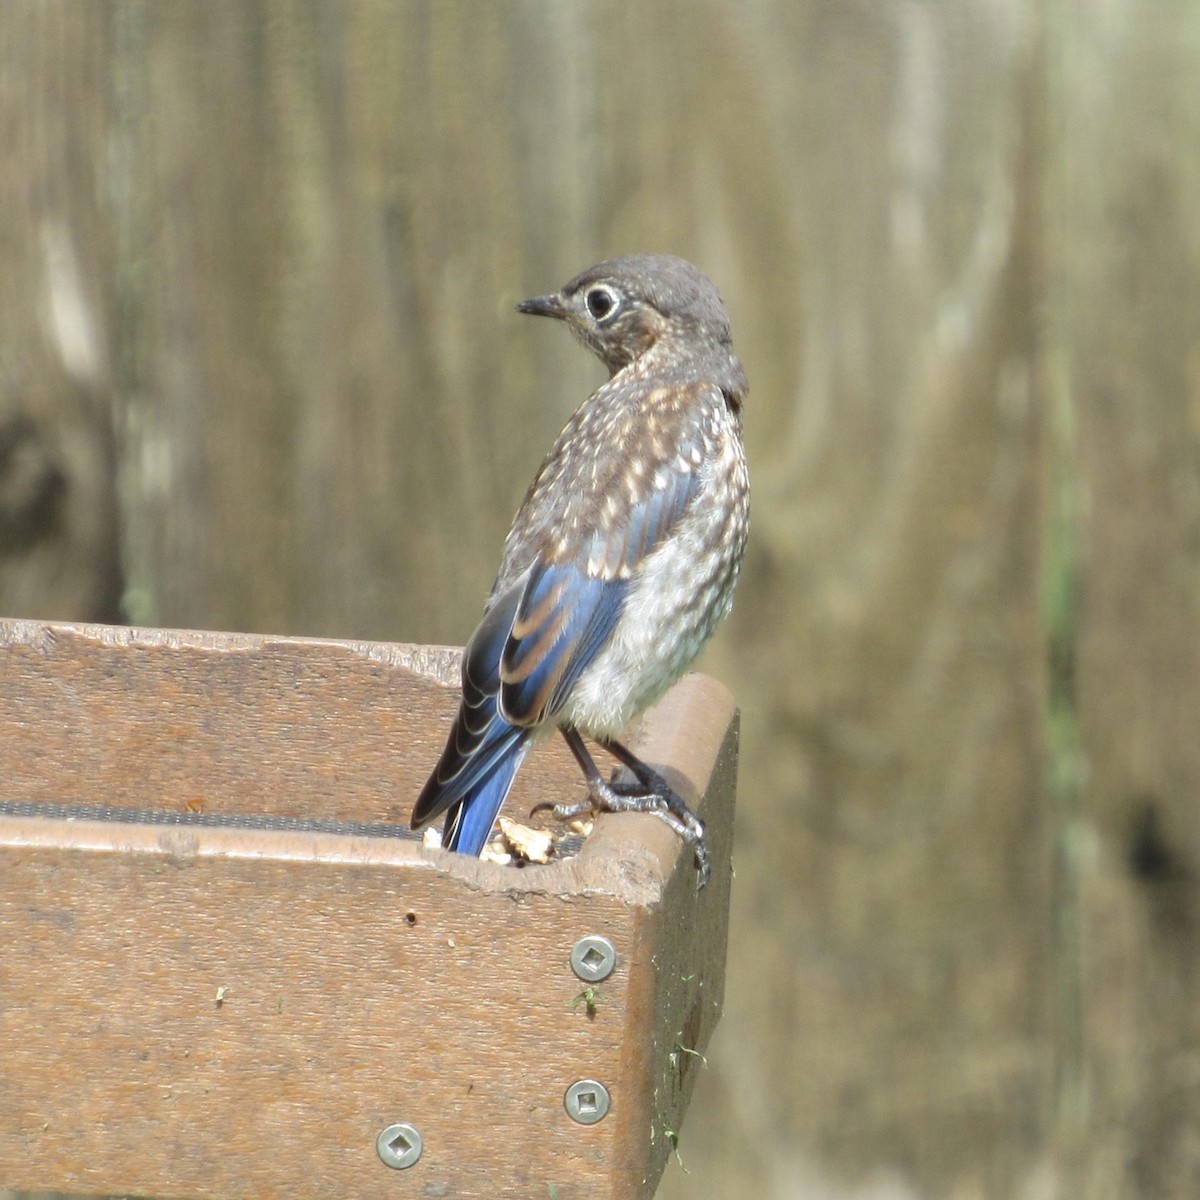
(622, 558)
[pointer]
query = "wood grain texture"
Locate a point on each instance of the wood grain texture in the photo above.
(1127, 264)
(202, 1010)
(59, 551)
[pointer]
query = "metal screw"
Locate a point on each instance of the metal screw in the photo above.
(586, 1101)
(399, 1146)
(593, 958)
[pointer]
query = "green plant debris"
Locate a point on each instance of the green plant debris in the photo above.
(589, 997)
(681, 1049)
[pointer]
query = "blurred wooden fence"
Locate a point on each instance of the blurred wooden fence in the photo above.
(259, 370)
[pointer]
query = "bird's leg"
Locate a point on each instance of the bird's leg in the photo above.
(650, 794)
(653, 794)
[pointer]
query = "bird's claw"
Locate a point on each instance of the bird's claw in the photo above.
(650, 794)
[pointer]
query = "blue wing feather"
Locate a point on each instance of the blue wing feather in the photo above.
(569, 608)
(563, 620)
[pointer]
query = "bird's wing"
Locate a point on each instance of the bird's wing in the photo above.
(563, 620)
(573, 593)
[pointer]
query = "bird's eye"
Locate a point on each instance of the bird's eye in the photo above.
(602, 303)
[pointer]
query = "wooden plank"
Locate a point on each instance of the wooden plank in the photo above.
(1127, 675)
(61, 530)
(201, 1010)
(188, 720)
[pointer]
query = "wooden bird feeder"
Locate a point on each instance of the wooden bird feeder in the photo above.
(229, 971)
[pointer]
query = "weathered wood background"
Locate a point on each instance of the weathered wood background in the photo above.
(259, 370)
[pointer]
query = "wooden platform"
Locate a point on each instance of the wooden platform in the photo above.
(226, 967)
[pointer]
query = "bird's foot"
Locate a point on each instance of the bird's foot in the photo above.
(649, 794)
(654, 795)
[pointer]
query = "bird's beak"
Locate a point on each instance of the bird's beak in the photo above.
(544, 306)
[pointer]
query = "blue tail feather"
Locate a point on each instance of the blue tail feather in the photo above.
(469, 820)
(473, 776)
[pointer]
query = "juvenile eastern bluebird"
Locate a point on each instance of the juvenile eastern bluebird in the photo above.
(623, 556)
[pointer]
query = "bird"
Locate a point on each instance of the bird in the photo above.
(621, 560)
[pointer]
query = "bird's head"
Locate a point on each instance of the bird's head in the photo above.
(623, 308)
